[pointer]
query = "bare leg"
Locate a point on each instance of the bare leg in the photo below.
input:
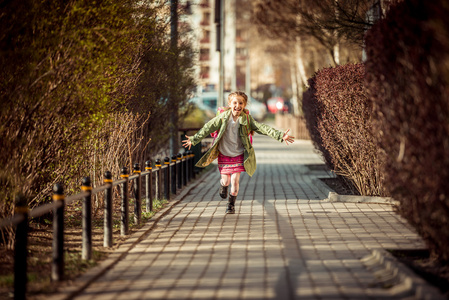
(235, 179)
(225, 179)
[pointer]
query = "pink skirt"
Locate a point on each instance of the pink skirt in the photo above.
(230, 165)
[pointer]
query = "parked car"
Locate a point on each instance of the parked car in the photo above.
(257, 109)
(207, 102)
(278, 104)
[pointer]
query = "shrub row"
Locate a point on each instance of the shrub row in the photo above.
(84, 85)
(338, 116)
(408, 84)
(385, 125)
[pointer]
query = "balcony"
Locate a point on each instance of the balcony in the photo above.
(204, 4)
(205, 23)
(204, 57)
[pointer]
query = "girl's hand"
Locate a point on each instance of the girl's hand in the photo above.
(187, 142)
(288, 138)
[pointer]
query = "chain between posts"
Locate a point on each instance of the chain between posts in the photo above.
(175, 172)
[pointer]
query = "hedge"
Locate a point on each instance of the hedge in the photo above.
(339, 117)
(407, 81)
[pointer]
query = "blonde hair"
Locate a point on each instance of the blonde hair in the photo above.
(236, 94)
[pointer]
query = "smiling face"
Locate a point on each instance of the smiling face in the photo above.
(237, 103)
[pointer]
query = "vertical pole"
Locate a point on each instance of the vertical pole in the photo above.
(173, 95)
(186, 166)
(137, 195)
(125, 199)
(173, 174)
(167, 178)
(149, 186)
(57, 267)
(219, 20)
(192, 165)
(107, 239)
(185, 176)
(86, 251)
(180, 170)
(20, 249)
(158, 183)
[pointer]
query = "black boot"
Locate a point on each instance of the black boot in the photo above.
(223, 191)
(231, 204)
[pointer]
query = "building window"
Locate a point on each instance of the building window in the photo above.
(206, 19)
(204, 54)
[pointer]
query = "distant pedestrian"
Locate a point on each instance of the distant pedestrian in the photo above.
(233, 144)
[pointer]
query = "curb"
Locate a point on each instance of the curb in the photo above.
(324, 188)
(334, 197)
(411, 283)
(70, 289)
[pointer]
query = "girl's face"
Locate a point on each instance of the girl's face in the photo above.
(237, 104)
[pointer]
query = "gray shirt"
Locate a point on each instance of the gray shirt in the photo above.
(230, 144)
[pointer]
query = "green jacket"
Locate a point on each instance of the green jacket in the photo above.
(220, 123)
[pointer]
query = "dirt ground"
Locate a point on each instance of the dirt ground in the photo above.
(40, 249)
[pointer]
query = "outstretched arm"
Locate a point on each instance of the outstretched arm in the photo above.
(187, 143)
(287, 138)
(270, 131)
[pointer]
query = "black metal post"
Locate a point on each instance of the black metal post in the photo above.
(185, 174)
(20, 249)
(107, 239)
(158, 183)
(86, 251)
(173, 174)
(57, 267)
(149, 187)
(167, 178)
(179, 170)
(125, 199)
(192, 165)
(137, 195)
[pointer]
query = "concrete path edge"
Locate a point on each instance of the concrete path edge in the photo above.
(421, 288)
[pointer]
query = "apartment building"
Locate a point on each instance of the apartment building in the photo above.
(235, 48)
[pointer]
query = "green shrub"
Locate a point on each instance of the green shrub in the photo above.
(408, 83)
(72, 92)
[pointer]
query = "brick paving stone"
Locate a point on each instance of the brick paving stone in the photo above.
(284, 242)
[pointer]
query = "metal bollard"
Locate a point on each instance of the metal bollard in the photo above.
(57, 266)
(179, 170)
(185, 174)
(125, 200)
(137, 195)
(149, 187)
(186, 166)
(192, 165)
(86, 251)
(107, 239)
(158, 183)
(173, 172)
(20, 249)
(167, 178)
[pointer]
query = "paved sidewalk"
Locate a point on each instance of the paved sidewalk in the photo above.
(284, 242)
